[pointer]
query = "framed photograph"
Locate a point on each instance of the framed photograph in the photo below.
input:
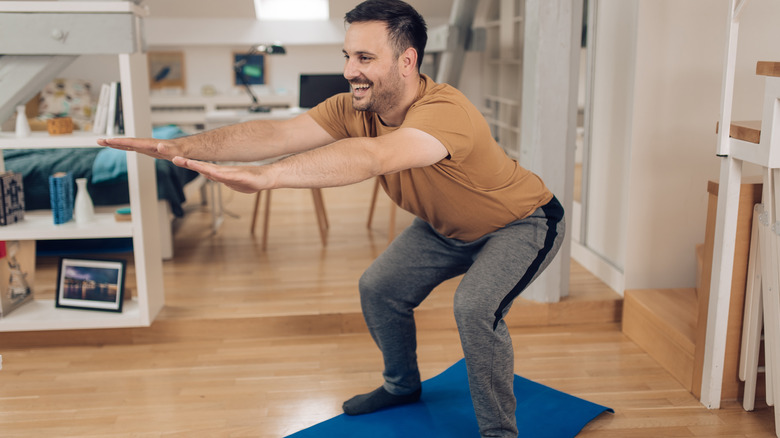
(91, 284)
(166, 70)
(251, 66)
(17, 274)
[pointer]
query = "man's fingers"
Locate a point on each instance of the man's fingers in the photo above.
(207, 169)
(149, 146)
(237, 178)
(186, 162)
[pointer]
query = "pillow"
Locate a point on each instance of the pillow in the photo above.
(167, 132)
(110, 164)
(67, 97)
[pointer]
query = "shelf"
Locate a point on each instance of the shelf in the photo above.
(73, 6)
(125, 43)
(44, 315)
(502, 100)
(505, 61)
(497, 23)
(503, 125)
(39, 225)
(42, 140)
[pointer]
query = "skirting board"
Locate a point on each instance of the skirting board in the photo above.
(594, 263)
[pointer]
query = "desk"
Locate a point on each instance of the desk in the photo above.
(219, 118)
(192, 109)
(216, 119)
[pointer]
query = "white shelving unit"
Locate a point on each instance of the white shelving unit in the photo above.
(42, 140)
(144, 229)
(504, 71)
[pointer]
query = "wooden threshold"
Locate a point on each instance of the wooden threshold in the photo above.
(663, 323)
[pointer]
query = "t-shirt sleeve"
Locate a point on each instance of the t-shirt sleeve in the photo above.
(447, 121)
(330, 114)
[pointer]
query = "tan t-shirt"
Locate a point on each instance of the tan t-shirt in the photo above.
(477, 189)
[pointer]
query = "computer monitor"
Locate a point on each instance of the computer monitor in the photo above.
(314, 88)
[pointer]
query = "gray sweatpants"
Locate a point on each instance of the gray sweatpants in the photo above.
(498, 267)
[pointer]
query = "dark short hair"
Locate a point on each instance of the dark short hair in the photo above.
(405, 26)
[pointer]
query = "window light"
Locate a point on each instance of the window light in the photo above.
(291, 9)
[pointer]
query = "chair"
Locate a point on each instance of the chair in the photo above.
(319, 210)
(393, 210)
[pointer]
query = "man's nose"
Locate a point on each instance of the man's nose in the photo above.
(350, 72)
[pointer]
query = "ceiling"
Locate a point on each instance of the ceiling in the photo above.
(428, 8)
(246, 9)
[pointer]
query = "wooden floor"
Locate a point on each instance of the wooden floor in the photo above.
(263, 344)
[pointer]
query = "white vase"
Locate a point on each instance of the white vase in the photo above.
(83, 210)
(22, 125)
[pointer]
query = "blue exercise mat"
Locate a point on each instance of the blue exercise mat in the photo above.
(445, 410)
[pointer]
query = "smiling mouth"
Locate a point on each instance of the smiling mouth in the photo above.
(359, 90)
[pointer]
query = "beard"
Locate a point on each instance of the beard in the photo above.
(382, 96)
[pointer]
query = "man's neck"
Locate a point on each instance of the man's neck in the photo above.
(396, 116)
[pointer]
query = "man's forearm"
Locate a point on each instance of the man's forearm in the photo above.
(250, 141)
(341, 163)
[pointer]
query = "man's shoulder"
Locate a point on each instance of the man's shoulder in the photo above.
(444, 99)
(433, 88)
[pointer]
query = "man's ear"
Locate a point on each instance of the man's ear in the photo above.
(409, 61)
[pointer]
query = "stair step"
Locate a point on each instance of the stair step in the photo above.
(767, 68)
(663, 323)
(748, 130)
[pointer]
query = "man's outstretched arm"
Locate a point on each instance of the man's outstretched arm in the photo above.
(249, 141)
(341, 163)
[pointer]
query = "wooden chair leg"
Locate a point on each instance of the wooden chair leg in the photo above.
(752, 320)
(372, 207)
(322, 217)
(769, 284)
(373, 203)
(319, 209)
(266, 219)
(391, 228)
(254, 212)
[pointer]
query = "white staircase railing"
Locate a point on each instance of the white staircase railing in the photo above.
(762, 302)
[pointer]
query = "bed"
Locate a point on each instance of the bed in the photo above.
(106, 172)
(104, 168)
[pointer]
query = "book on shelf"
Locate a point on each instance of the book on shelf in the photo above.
(17, 274)
(110, 126)
(115, 124)
(11, 198)
(101, 111)
(119, 118)
(61, 197)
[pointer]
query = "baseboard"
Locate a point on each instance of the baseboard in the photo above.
(596, 264)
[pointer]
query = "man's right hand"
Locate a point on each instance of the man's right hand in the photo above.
(164, 149)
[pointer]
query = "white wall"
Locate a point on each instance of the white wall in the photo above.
(212, 65)
(208, 46)
(610, 126)
(670, 142)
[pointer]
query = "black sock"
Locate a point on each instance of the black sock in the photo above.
(376, 400)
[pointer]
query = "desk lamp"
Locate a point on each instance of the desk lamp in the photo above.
(238, 67)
